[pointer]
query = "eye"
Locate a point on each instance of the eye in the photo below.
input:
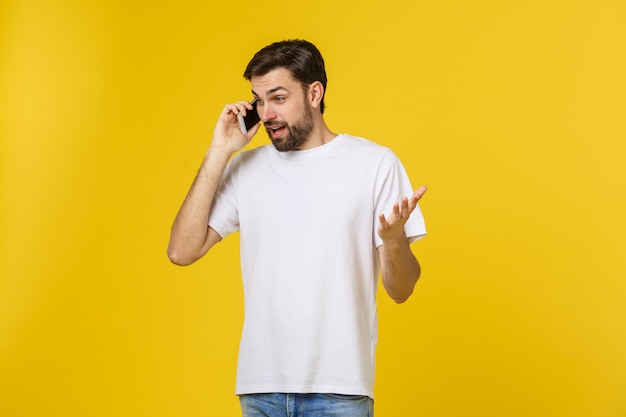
(279, 99)
(259, 102)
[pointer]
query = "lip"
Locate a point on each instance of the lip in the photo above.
(275, 131)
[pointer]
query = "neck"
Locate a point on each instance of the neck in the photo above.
(320, 135)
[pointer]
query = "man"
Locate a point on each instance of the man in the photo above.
(314, 235)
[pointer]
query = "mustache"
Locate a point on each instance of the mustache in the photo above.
(274, 124)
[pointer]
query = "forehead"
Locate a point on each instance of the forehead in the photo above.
(275, 80)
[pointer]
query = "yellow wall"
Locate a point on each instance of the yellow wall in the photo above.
(512, 112)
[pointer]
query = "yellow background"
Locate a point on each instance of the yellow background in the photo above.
(512, 112)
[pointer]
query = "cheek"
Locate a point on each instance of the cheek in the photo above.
(297, 113)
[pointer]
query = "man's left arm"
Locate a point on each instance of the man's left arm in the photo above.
(399, 267)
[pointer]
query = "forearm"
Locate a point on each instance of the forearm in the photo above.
(188, 238)
(400, 269)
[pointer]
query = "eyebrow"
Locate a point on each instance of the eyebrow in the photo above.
(272, 90)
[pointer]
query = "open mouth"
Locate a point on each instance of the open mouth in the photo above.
(275, 131)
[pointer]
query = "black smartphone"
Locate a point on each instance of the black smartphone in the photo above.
(251, 118)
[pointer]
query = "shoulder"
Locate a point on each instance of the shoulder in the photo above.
(370, 151)
(363, 146)
(251, 156)
(361, 143)
(244, 162)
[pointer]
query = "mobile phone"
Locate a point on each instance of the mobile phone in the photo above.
(251, 118)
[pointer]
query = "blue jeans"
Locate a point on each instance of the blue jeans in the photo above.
(306, 405)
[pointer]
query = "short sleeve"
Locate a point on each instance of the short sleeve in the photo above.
(224, 214)
(393, 184)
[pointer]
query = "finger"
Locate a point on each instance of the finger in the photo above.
(383, 221)
(420, 192)
(415, 198)
(246, 107)
(230, 108)
(403, 207)
(239, 107)
(252, 131)
(242, 107)
(412, 203)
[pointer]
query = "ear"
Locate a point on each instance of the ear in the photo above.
(316, 93)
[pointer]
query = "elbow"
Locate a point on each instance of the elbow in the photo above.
(401, 298)
(181, 252)
(178, 257)
(400, 292)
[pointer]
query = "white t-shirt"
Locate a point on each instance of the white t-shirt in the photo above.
(308, 223)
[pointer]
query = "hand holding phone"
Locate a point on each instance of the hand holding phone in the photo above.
(250, 119)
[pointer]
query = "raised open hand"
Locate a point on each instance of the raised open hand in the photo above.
(392, 227)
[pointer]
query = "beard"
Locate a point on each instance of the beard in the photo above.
(296, 134)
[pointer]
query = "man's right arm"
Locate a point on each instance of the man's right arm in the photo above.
(191, 237)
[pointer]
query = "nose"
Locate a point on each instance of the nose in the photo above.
(266, 113)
